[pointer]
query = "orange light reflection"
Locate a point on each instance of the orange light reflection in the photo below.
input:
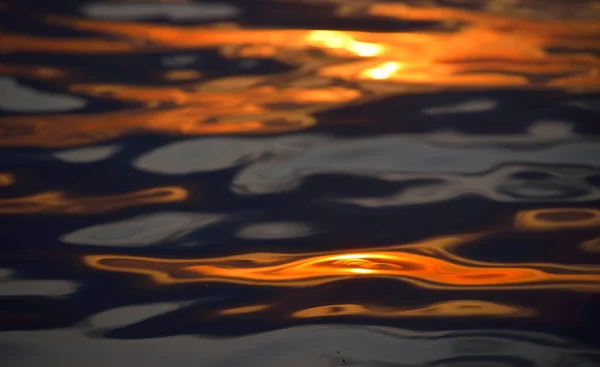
(423, 264)
(234, 111)
(6, 179)
(59, 203)
(459, 308)
(557, 218)
(481, 49)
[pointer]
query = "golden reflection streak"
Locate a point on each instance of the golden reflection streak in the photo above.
(544, 27)
(428, 269)
(592, 245)
(182, 75)
(458, 308)
(557, 218)
(244, 309)
(59, 203)
(35, 72)
(6, 179)
(253, 110)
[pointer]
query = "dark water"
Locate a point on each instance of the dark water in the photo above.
(300, 183)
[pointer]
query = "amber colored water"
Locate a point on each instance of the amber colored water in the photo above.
(300, 183)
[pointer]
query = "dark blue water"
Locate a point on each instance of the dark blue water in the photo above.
(300, 183)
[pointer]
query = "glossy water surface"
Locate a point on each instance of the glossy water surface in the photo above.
(300, 183)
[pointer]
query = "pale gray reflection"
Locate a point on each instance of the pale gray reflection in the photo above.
(318, 346)
(20, 98)
(213, 154)
(393, 155)
(180, 60)
(142, 230)
(278, 164)
(551, 128)
(38, 288)
(176, 11)
(87, 154)
(502, 185)
(586, 104)
(5, 273)
(470, 106)
(128, 315)
(275, 230)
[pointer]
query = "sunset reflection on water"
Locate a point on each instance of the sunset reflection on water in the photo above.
(488, 50)
(302, 270)
(300, 182)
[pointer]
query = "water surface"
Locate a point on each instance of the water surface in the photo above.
(300, 183)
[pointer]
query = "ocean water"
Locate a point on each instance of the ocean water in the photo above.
(300, 183)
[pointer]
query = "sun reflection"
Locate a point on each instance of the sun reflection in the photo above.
(343, 41)
(383, 71)
(60, 203)
(423, 264)
(481, 49)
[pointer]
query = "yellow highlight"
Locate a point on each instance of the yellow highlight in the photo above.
(383, 71)
(343, 41)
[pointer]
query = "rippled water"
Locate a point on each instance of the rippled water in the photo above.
(300, 183)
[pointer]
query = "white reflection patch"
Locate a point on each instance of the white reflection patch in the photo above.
(174, 11)
(472, 106)
(46, 288)
(275, 230)
(499, 185)
(279, 164)
(87, 155)
(213, 154)
(142, 230)
(393, 155)
(130, 314)
(177, 61)
(20, 98)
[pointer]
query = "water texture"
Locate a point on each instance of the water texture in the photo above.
(300, 183)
